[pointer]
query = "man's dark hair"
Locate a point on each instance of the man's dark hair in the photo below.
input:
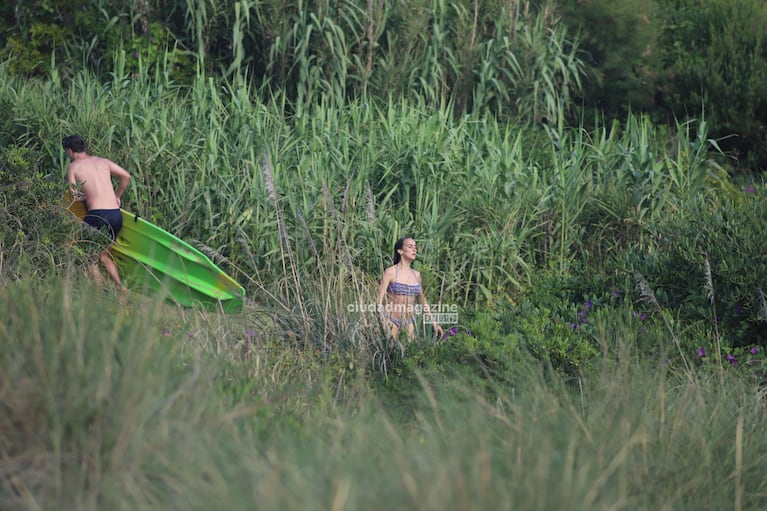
(74, 142)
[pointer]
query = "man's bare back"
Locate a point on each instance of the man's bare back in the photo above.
(93, 176)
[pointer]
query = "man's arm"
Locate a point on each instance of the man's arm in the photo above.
(74, 187)
(120, 173)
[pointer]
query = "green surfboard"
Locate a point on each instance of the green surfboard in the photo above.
(152, 260)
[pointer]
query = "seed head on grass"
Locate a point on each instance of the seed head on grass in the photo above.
(271, 191)
(328, 198)
(370, 204)
(646, 293)
(709, 281)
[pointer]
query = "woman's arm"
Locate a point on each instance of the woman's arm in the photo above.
(385, 281)
(426, 310)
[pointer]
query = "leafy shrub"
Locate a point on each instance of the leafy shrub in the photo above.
(32, 56)
(35, 225)
(715, 56)
(710, 265)
(617, 40)
(493, 347)
(154, 49)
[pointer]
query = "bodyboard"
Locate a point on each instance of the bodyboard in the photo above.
(152, 260)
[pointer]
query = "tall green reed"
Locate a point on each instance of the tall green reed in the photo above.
(502, 57)
(489, 201)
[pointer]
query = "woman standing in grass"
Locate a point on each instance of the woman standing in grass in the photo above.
(401, 285)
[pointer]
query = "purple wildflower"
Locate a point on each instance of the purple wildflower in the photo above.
(166, 333)
(749, 189)
(449, 333)
(616, 294)
(701, 352)
(754, 350)
(589, 304)
(731, 358)
(573, 326)
(135, 54)
(643, 317)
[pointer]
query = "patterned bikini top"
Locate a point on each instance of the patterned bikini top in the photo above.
(402, 289)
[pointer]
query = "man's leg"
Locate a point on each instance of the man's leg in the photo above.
(95, 273)
(109, 265)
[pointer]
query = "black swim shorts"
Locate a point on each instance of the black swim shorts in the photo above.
(111, 218)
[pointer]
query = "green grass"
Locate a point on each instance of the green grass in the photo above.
(589, 267)
(489, 202)
(112, 408)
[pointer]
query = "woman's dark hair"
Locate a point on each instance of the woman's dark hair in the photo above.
(74, 142)
(398, 246)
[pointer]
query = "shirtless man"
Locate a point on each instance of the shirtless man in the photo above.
(90, 180)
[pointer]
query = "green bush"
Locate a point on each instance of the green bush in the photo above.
(714, 57)
(617, 41)
(710, 264)
(492, 347)
(32, 55)
(35, 224)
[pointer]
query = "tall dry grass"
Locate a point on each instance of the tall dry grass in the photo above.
(107, 407)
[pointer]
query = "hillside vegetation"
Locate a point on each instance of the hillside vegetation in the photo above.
(607, 268)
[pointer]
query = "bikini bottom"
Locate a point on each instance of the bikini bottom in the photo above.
(399, 324)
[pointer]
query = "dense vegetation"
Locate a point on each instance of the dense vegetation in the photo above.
(671, 59)
(602, 239)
